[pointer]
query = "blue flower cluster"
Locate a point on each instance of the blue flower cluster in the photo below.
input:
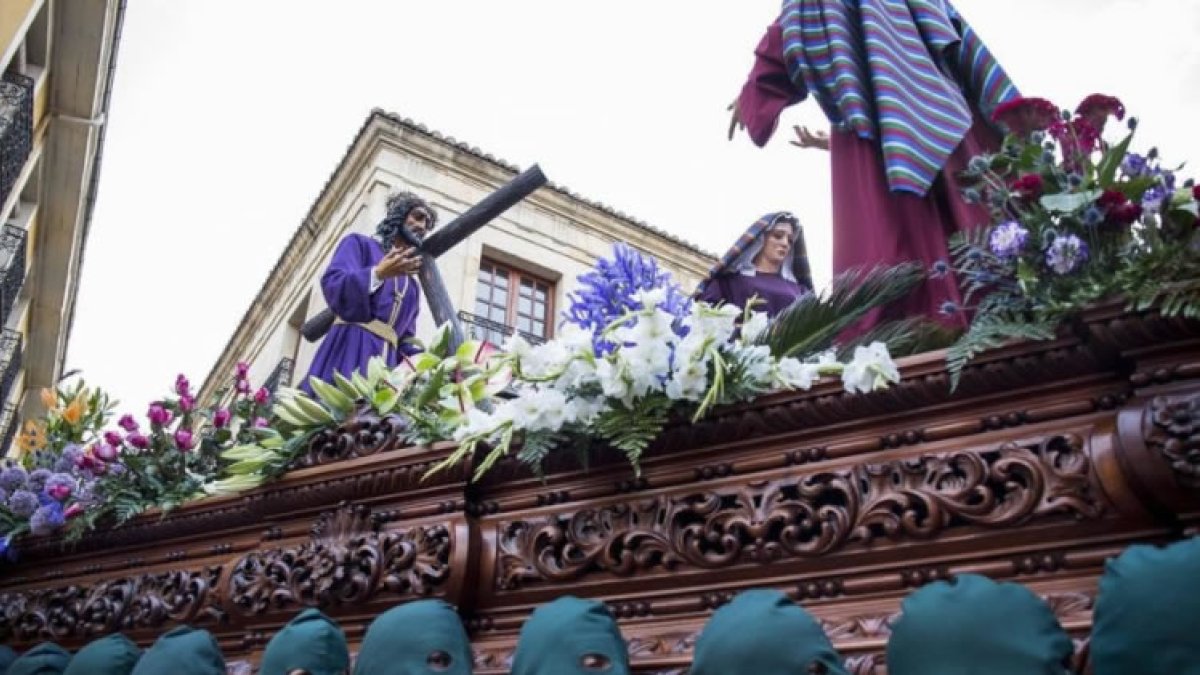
(607, 292)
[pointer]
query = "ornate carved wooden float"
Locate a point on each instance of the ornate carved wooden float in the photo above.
(1050, 458)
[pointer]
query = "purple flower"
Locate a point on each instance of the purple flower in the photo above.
(242, 386)
(113, 438)
(158, 414)
(138, 441)
(105, 451)
(262, 396)
(1152, 199)
(1133, 165)
(261, 422)
(183, 439)
(46, 519)
(23, 503)
(242, 370)
(187, 403)
(128, 423)
(38, 478)
(1066, 253)
(1007, 239)
(3, 496)
(60, 486)
(182, 386)
(13, 478)
(221, 418)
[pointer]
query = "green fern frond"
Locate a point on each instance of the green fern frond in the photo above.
(632, 430)
(812, 323)
(990, 332)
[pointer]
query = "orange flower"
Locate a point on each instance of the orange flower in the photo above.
(50, 399)
(75, 411)
(32, 437)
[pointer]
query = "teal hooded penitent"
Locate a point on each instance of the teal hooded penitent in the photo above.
(182, 651)
(44, 659)
(311, 641)
(1147, 616)
(7, 656)
(416, 638)
(571, 636)
(110, 655)
(762, 632)
(975, 626)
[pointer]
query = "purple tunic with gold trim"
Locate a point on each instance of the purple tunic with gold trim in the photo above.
(346, 285)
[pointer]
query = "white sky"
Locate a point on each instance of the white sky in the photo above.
(228, 116)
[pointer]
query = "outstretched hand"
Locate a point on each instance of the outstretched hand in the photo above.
(399, 261)
(806, 138)
(735, 122)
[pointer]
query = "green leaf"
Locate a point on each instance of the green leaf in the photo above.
(385, 400)
(332, 397)
(1107, 170)
(988, 332)
(1069, 202)
(1135, 188)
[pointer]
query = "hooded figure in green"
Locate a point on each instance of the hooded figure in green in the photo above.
(7, 656)
(1148, 612)
(570, 636)
(415, 638)
(44, 659)
(183, 651)
(975, 626)
(311, 642)
(111, 655)
(762, 632)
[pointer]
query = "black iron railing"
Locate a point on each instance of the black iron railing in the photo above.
(494, 332)
(14, 243)
(16, 128)
(10, 361)
(8, 427)
(281, 376)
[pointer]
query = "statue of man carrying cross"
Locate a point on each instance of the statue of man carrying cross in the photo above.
(369, 286)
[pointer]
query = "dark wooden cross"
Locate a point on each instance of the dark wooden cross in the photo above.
(442, 240)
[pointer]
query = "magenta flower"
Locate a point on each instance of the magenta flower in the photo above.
(113, 438)
(73, 511)
(243, 369)
(260, 422)
(158, 414)
(262, 396)
(187, 403)
(221, 418)
(128, 423)
(106, 452)
(183, 439)
(242, 386)
(138, 441)
(182, 386)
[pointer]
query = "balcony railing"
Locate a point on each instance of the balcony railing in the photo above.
(10, 361)
(16, 128)
(8, 427)
(281, 376)
(494, 332)
(13, 242)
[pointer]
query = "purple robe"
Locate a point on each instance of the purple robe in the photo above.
(736, 289)
(346, 286)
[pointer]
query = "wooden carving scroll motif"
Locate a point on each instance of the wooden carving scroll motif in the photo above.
(1051, 458)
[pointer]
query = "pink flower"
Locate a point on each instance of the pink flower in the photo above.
(138, 441)
(221, 418)
(243, 369)
(262, 396)
(58, 492)
(73, 510)
(105, 452)
(113, 438)
(158, 414)
(1097, 108)
(1023, 116)
(183, 439)
(187, 403)
(182, 386)
(128, 423)
(242, 386)
(260, 422)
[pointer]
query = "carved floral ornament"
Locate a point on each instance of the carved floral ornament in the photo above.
(347, 561)
(805, 516)
(1174, 432)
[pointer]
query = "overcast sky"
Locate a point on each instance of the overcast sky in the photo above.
(229, 115)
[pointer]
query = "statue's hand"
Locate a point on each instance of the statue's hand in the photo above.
(735, 122)
(810, 139)
(398, 262)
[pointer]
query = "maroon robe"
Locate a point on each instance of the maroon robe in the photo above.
(775, 292)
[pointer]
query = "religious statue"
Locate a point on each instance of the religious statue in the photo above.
(906, 86)
(768, 262)
(372, 291)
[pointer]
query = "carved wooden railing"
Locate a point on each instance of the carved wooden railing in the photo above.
(1050, 458)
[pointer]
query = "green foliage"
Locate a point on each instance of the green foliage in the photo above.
(989, 332)
(631, 430)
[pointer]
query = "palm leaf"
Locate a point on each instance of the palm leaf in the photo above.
(812, 323)
(904, 337)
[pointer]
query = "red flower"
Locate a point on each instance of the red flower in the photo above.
(1097, 108)
(1196, 192)
(1023, 116)
(1111, 199)
(1125, 214)
(1028, 187)
(73, 511)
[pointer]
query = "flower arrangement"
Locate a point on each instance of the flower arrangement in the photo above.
(1074, 220)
